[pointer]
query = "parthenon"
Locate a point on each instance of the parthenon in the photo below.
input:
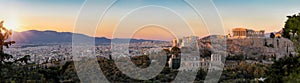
(247, 33)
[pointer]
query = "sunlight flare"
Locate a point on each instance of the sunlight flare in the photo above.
(12, 24)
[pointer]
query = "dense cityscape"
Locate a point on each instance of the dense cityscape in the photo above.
(245, 47)
(149, 41)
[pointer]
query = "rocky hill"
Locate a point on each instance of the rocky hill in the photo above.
(254, 47)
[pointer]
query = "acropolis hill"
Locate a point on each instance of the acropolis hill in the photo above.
(257, 47)
(251, 44)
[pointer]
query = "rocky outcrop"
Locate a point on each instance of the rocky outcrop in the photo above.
(254, 47)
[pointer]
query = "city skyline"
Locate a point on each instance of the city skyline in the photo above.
(60, 16)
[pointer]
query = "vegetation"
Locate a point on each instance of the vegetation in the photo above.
(287, 69)
(244, 72)
(236, 57)
(292, 27)
(67, 73)
(283, 70)
(20, 71)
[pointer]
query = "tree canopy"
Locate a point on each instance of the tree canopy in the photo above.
(287, 69)
(292, 26)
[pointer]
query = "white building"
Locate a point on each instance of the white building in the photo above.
(185, 41)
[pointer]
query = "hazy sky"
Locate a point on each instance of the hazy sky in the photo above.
(60, 15)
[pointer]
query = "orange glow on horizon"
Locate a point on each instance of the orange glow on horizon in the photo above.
(153, 33)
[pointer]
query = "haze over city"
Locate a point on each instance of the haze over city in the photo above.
(149, 41)
(58, 15)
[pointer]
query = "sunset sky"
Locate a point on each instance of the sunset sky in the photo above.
(60, 15)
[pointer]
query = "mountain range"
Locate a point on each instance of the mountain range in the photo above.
(54, 37)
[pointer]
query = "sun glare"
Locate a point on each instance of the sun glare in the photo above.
(11, 24)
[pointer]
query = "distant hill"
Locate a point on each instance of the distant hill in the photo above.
(50, 37)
